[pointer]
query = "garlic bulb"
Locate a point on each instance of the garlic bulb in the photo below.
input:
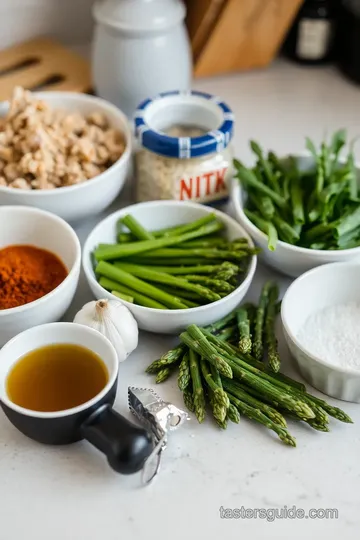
(112, 319)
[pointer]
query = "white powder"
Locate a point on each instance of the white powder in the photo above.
(333, 334)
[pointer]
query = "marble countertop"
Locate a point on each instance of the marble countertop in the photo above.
(70, 493)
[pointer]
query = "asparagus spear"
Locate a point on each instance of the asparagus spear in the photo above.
(243, 324)
(216, 241)
(168, 231)
(249, 179)
(269, 175)
(318, 425)
(174, 355)
(189, 398)
(132, 248)
(206, 253)
(124, 237)
(205, 269)
(197, 342)
(270, 337)
(154, 367)
(296, 196)
(158, 277)
(177, 293)
(123, 296)
(172, 261)
(265, 226)
(335, 412)
(198, 391)
(253, 377)
(117, 274)
(221, 323)
(226, 271)
(163, 374)
(215, 285)
(228, 333)
(240, 391)
(233, 414)
(258, 416)
(280, 382)
(352, 175)
(222, 424)
(136, 228)
(187, 227)
(228, 350)
(286, 232)
(258, 346)
(184, 376)
(181, 293)
(170, 358)
(263, 204)
(139, 298)
(220, 398)
(337, 143)
(276, 395)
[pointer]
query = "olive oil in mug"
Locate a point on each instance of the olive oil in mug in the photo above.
(56, 377)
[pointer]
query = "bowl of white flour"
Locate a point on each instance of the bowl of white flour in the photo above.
(321, 319)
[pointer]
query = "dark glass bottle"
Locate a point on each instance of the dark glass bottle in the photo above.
(348, 39)
(311, 38)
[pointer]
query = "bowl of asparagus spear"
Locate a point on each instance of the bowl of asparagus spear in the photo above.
(303, 210)
(171, 263)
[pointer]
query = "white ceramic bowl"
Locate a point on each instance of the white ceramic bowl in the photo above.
(319, 288)
(156, 215)
(24, 225)
(288, 259)
(73, 203)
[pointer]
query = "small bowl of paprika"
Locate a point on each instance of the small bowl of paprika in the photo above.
(40, 258)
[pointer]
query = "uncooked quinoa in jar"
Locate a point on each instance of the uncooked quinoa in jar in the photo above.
(184, 148)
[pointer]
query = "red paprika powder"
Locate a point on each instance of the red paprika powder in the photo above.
(28, 273)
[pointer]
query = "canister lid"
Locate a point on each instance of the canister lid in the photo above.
(133, 16)
(187, 108)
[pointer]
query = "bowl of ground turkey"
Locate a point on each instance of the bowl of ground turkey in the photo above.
(40, 258)
(65, 152)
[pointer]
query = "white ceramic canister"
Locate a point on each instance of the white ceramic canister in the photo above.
(184, 147)
(140, 48)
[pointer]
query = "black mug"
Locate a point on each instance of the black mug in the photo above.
(125, 445)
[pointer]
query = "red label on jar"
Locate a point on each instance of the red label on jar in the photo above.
(208, 186)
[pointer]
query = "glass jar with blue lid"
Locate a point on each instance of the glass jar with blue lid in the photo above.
(184, 147)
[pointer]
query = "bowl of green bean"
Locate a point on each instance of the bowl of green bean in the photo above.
(302, 210)
(172, 263)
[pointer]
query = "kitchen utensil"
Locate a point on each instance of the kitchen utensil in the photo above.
(125, 445)
(44, 64)
(158, 416)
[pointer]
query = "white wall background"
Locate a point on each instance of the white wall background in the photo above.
(69, 21)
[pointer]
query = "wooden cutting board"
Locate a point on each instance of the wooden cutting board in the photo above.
(42, 64)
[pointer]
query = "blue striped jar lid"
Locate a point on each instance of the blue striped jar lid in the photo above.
(184, 108)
